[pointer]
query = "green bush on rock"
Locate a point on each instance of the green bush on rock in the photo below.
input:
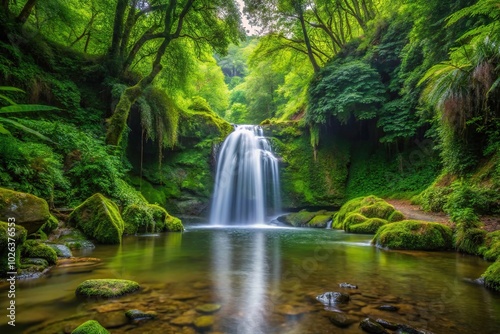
(492, 276)
(414, 235)
(19, 237)
(90, 327)
(35, 249)
(99, 218)
(106, 288)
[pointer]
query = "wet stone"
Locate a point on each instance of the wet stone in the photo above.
(331, 298)
(341, 320)
(291, 310)
(358, 303)
(184, 320)
(390, 299)
(387, 324)
(389, 308)
(208, 308)
(348, 286)
(204, 322)
(112, 319)
(371, 326)
(184, 296)
(140, 315)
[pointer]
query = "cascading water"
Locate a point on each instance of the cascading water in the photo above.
(247, 186)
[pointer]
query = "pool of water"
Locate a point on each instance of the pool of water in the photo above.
(266, 281)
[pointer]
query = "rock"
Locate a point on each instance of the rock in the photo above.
(29, 211)
(36, 261)
(106, 288)
(364, 207)
(410, 330)
(61, 250)
(112, 319)
(184, 320)
(291, 310)
(204, 322)
(90, 327)
(99, 218)
(492, 276)
(19, 235)
(387, 307)
(387, 324)
(414, 235)
(348, 286)
(164, 221)
(33, 248)
(369, 226)
(184, 296)
(208, 308)
(75, 239)
(140, 315)
(320, 221)
(331, 298)
(371, 326)
(297, 219)
(340, 319)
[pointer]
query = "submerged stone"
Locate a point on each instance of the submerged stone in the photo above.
(387, 324)
(61, 250)
(341, 320)
(208, 308)
(204, 322)
(140, 315)
(184, 320)
(390, 308)
(348, 286)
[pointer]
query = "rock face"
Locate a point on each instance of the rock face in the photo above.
(90, 327)
(29, 211)
(99, 219)
(332, 298)
(365, 215)
(106, 288)
(19, 237)
(414, 235)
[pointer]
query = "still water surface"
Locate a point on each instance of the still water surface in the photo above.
(265, 279)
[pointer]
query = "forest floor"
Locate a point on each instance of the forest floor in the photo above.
(491, 223)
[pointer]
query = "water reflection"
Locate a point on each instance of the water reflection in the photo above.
(244, 274)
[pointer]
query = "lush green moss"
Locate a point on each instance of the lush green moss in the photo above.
(173, 224)
(369, 226)
(33, 248)
(320, 220)
(363, 207)
(351, 219)
(106, 288)
(90, 327)
(137, 218)
(491, 250)
(19, 238)
(492, 276)
(470, 241)
(99, 218)
(299, 219)
(51, 224)
(396, 216)
(414, 235)
(380, 209)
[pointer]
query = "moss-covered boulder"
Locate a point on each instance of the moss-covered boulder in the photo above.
(106, 288)
(414, 235)
(369, 226)
(470, 240)
(18, 233)
(352, 219)
(138, 218)
(297, 219)
(98, 218)
(74, 239)
(164, 221)
(90, 327)
(320, 220)
(492, 276)
(36, 249)
(29, 211)
(369, 207)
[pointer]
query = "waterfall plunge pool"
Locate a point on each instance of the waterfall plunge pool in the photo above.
(265, 280)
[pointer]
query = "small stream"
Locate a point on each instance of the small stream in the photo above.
(266, 280)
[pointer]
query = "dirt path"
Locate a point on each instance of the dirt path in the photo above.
(490, 223)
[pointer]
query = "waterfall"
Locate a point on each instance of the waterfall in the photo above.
(247, 186)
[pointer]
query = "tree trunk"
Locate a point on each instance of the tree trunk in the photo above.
(310, 54)
(26, 12)
(114, 51)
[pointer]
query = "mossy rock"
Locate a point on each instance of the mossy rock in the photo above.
(396, 216)
(90, 327)
(33, 248)
(298, 219)
(19, 236)
(491, 248)
(368, 207)
(164, 221)
(414, 235)
(470, 241)
(29, 211)
(75, 239)
(320, 221)
(138, 218)
(106, 288)
(492, 276)
(369, 226)
(99, 219)
(49, 226)
(352, 219)
(173, 224)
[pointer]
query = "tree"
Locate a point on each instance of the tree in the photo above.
(212, 23)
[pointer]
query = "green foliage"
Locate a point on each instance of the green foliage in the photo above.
(345, 90)
(90, 327)
(369, 226)
(492, 276)
(137, 219)
(470, 240)
(19, 238)
(491, 248)
(414, 235)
